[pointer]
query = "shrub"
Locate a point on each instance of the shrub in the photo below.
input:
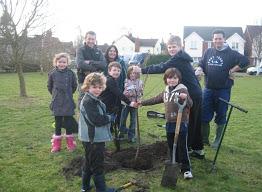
(155, 59)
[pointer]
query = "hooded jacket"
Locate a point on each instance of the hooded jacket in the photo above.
(94, 123)
(171, 108)
(216, 65)
(181, 61)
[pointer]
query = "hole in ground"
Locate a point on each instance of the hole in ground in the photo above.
(150, 157)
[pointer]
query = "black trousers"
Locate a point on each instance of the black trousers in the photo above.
(181, 150)
(195, 140)
(94, 158)
(64, 121)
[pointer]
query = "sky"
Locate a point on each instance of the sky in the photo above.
(147, 19)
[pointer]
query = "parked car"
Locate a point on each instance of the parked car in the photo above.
(138, 59)
(255, 70)
(126, 58)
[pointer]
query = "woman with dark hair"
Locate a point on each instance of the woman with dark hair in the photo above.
(112, 55)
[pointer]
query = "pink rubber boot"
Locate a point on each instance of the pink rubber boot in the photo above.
(56, 143)
(71, 143)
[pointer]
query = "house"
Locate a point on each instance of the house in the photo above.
(253, 48)
(103, 47)
(199, 38)
(127, 45)
(39, 52)
(42, 48)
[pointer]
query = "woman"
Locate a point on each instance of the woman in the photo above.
(112, 55)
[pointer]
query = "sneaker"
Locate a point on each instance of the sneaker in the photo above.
(199, 154)
(86, 190)
(188, 175)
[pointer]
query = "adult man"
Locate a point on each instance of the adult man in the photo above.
(182, 61)
(88, 59)
(218, 64)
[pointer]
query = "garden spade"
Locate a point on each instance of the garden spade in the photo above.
(172, 169)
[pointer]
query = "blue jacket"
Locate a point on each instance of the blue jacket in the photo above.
(94, 123)
(181, 61)
(216, 65)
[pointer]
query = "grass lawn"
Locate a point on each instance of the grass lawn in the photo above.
(26, 163)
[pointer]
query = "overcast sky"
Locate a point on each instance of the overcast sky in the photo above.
(147, 19)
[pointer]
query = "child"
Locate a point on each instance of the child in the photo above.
(133, 91)
(94, 131)
(182, 61)
(112, 95)
(62, 84)
(172, 78)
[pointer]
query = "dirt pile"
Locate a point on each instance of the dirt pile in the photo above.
(150, 156)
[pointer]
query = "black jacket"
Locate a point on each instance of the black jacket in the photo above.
(112, 96)
(96, 58)
(181, 61)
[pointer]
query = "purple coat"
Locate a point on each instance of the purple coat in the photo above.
(62, 84)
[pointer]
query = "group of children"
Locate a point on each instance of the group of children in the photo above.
(98, 109)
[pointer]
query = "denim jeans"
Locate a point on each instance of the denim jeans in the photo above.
(133, 117)
(212, 105)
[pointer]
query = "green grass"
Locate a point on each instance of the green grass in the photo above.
(26, 163)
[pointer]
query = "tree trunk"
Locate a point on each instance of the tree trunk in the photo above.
(41, 69)
(21, 79)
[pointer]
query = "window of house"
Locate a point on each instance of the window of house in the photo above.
(193, 45)
(209, 44)
(235, 46)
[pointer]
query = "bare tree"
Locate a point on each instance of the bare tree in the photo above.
(79, 39)
(17, 20)
(257, 46)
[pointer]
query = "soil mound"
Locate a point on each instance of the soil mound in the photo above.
(149, 157)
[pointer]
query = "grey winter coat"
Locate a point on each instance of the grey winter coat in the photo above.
(94, 123)
(62, 84)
